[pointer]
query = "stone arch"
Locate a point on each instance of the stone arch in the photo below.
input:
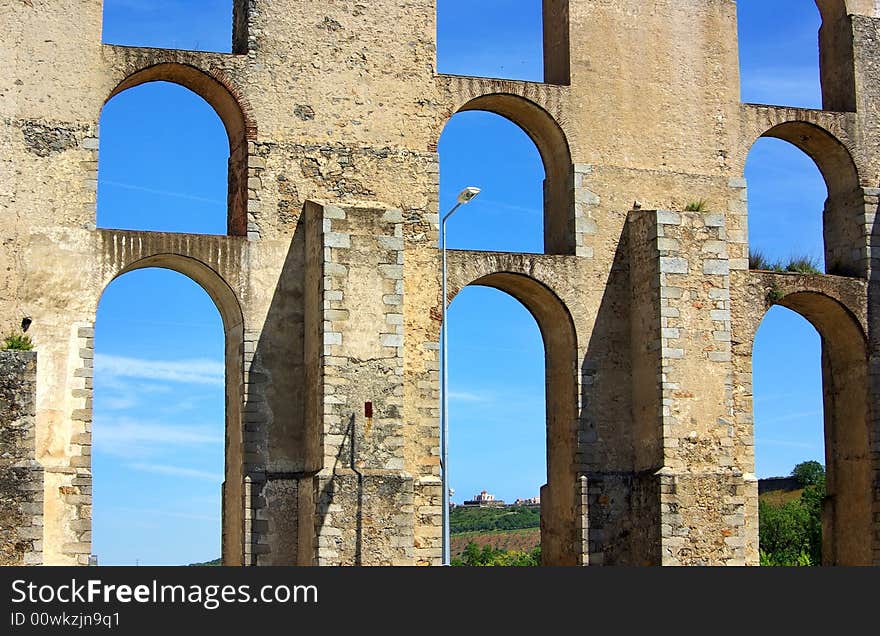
(552, 144)
(232, 110)
(843, 233)
(560, 538)
(227, 304)
(829, 154)
(847, 513)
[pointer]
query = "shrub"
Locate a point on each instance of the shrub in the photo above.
(757, 260)
(796, 264)
(473, 556)
(803, 265)
(17, 342)
(791, 533)
(696, 206)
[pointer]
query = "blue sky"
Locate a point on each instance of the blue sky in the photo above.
(158, 431)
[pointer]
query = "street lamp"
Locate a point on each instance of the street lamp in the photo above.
(465, 196)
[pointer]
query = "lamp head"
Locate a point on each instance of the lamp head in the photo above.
(467, 194)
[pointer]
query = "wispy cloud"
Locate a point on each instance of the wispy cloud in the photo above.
(767, 84)
(492, 204)
(788, 417)
(125, 437)
(467, 396)
(121, 394)
(164, 193)
(176, 471)
(152, 512)
(784, 442)
(196, 371)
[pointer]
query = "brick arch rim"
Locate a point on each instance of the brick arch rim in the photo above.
(534, 120)
(517, 285)
(831, 156)
(233, 111)
(802, 302)
(551, 141)
(210, 280)
(213, 87)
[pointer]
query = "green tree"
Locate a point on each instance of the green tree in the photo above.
(809, 473)
(791, 534)
(488, 556)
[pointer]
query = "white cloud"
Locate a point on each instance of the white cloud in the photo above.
(794, 85)
(124, 437)
(788, 417)
(165, 193)
(177, 471)
(784, 442)
(465, 396)
(152, 512)
(195, 371)
(492, 204)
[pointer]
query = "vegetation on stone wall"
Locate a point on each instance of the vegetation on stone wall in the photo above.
(17, 342)
(794, 265)
(791, 532)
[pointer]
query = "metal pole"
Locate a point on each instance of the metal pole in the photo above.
(444, 393)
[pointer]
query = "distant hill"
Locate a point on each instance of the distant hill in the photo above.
(522, 540)
(474, 519)
(778, 491)
(508, 528)
(207, 563)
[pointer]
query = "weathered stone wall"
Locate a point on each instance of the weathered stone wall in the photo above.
(328, 280)
(21, 476)
(364, 498)
(702, 488)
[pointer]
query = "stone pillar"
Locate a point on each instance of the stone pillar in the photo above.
(363, 496)
(685, 413)
(21, 476)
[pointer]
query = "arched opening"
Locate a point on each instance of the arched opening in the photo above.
(793, 424)
(789, 431)
(172, 24)
(516, 153)
(805, 203)
(778, 52)
(167, 458)
(173, 154)
(786, 197)
(523, 40)
(500, 393)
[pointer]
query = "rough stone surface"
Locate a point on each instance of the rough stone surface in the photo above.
(21, 476)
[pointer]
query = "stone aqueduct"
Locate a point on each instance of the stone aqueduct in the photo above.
(328, 284)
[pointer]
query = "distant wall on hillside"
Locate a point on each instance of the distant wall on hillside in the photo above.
(773, 484)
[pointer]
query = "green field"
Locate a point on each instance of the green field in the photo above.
(468, 519)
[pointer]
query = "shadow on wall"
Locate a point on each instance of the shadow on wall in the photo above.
(279, 451)
(622, 500)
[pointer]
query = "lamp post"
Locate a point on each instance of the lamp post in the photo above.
(465, 196)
